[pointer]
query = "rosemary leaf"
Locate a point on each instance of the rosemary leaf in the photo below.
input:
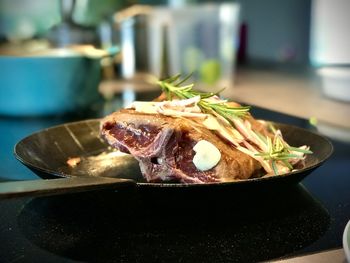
(299, 150)
(274, 167)
(286, 163)
(172, 87)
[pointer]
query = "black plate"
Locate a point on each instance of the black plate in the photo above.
(46, 153)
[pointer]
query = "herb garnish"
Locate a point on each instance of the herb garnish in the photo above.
(172, 87)
(279, 150)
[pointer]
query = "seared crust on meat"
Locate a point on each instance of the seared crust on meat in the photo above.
(164, 148)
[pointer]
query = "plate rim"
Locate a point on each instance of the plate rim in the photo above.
(346, 237)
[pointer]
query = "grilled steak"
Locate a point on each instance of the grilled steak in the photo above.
(164, 148)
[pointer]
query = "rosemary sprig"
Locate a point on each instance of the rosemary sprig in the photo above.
(172, 87)
(279, 150)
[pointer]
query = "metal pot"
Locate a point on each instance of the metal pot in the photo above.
(53, 82)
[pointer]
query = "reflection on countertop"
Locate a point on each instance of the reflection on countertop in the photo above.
(196, 226)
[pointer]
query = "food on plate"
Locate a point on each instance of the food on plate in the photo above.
(73, 161)
(195, 137)
(164, 147)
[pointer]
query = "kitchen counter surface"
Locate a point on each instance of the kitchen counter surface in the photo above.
(297, 93)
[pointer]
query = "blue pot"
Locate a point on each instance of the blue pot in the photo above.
(48, 84)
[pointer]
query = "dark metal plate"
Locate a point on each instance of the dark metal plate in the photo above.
(46, 153)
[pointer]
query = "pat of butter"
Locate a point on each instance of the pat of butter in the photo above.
(207, 155)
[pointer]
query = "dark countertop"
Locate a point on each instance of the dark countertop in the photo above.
(257, 225)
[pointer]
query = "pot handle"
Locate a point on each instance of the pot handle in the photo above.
(34, 188)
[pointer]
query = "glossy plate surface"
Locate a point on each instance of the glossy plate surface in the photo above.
(46, 153)
(346, 241)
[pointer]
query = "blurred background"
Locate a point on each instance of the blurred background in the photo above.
(272, 31)
(75, 59)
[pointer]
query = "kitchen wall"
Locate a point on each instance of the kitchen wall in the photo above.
(278, 31)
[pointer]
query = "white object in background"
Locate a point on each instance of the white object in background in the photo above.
(333, 131)
(346, 241)
(330, 38)
(128, 67)
(336, 82)
(128, 96)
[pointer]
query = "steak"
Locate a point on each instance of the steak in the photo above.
(163, 146)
